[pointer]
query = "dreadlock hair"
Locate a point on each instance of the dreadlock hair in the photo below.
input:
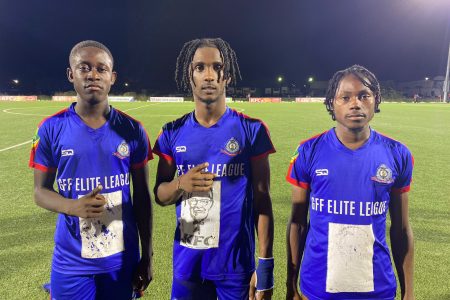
(183, 71)
(90, 43)
(365, 76)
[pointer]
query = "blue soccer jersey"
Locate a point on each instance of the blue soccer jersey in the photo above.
(346, 255)
(83, 159)
(214, 238)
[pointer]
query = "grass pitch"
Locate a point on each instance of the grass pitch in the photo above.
(26, 235)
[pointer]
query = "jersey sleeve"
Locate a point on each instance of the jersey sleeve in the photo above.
(143, 152)
(41, 156)
(261, 144)
(162, 145)
(297, 174)
(402, 183)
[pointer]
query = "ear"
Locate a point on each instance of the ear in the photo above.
(69, 74)
(113, 77)
(228, 81)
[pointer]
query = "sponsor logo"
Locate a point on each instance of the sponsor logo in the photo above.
(67, 152)
(123, 150)
(232, 147)
(383, 175)
(322, 172)
(180, 149)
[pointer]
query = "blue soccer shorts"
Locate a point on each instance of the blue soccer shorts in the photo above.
(111, 285)
(194, 289)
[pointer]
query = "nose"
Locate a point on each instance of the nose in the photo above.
(210, 73)
(93, 74)
(355, 102)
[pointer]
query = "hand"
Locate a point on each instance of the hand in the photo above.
(293, 295)
(143, 275)
(258, 295)
(292, 291)
(196, 180)
(91, 205)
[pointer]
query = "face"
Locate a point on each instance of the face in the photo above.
(91, 74)
(353, 104)
(199, 207)
(206, 68)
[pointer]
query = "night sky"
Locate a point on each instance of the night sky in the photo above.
(397, 39)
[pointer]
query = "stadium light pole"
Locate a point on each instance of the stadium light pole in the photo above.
(16, 81)
(445, 87)
(311, 79)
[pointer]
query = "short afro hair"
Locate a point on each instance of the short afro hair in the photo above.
(90, 43)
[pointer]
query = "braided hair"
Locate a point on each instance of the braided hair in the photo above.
(365, 76)
(90, 43)
(183, 71)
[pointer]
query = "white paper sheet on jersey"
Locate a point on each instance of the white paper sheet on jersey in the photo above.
(200, 219)
(102, 237)
(350, 258)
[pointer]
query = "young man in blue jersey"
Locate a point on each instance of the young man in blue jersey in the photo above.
(221, 191)
(347, 179)
(93, 152)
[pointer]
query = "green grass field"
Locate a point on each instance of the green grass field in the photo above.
(26, 235)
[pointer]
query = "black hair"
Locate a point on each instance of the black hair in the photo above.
(90, 43)
(365, 76)
(183, 71)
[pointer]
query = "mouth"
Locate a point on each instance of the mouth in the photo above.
(93, 87)
(356, 116)
(209, 88)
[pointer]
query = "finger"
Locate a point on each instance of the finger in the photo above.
(201, 189)
(97, 202)
(208, 176)
(202, 184)
(97, 190)
(100, 197)
(200, 167)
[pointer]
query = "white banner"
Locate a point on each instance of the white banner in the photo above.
(121, 98)
(165, 99)
(64, 98)
(309, 99)
(18, 98)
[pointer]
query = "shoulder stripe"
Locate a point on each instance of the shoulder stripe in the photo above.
(54, 115)
(313, 137)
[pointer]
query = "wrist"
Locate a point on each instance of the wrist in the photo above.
(179, 185)
(264, 274)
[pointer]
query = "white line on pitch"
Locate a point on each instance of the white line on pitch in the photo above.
(15, 146)
(22, 114)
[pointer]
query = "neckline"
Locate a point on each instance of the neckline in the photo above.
(217, 124)
(343, 148)
(80, 121)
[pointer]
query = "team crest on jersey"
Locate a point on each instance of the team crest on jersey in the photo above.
(232, 147)
(383, 175)
(123, 150)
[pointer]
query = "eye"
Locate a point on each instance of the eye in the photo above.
(346, 98)
(218, 67)
(101, 69)
(199, 68)
(84, 68)
(364, 97)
